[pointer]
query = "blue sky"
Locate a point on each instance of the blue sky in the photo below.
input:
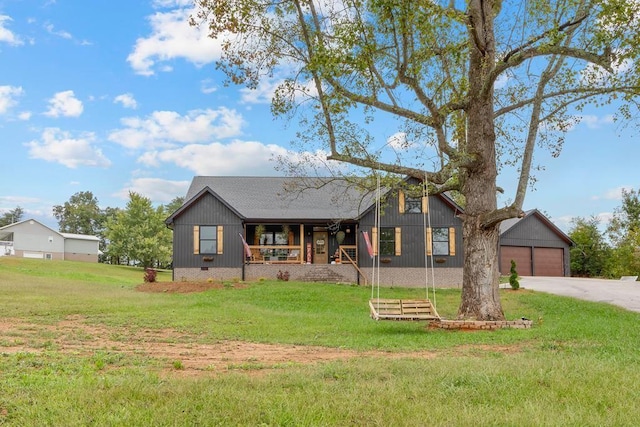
(117, 96)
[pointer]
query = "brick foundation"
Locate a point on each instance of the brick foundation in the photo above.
(329, 273)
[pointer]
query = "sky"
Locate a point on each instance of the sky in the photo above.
(119, 96)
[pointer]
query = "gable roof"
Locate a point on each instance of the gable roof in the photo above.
(275, 198)
(511, 223)
(7, 230)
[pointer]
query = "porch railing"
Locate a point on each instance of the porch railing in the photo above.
(272, 254)
(275, 254)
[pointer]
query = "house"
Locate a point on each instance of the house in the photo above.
(32, 239)
(537, 246)
(316, 230)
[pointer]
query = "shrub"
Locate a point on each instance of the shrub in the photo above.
(513, 279)
(150, 275)
(283, 275)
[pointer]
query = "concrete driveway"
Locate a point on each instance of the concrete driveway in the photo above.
(622, 293)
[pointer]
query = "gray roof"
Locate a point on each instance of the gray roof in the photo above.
(286, 198)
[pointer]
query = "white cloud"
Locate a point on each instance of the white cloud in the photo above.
(614, 193)
(156, 189)
(127, 100)
(8, 95)
(502, 81)
(25, 115)
(208, 86)
(65, 104)
(596, 122)
(234, 158)
(263, 94)
(399, 141)
(61, 147)
(6, 35)
(564, 222)
(60, 33)
(166, 128)
(172, 37)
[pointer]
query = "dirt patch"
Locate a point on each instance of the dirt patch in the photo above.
(177, 353)
(186, 287)
(181, 354)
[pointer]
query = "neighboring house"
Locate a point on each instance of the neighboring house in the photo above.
(537, 246)
(316, 230)
(31, 239)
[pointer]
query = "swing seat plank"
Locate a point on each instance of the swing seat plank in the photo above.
(402, 309)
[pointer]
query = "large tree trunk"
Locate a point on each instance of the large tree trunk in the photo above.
(480, 297)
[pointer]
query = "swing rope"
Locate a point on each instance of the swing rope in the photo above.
(375, 267)
(428, 255)
(416, 308)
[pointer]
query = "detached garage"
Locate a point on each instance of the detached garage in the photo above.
(538, 247)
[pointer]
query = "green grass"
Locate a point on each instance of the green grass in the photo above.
(577, 366)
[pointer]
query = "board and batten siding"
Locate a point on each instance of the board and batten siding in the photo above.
(208, 210)
(413, 233)
(532, 233)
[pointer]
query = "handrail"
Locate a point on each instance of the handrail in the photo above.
(343, 249)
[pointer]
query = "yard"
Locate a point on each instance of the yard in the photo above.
(86, 344)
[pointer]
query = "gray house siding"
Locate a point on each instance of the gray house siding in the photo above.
(208, 210)
(413, 234)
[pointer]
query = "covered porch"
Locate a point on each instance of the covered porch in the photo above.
(301, 243)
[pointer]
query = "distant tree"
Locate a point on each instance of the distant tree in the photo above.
(80, 215)
(11, 216)
(174, 205)
(110, 253)
(590, 256)
(624, 233)
(138, 233)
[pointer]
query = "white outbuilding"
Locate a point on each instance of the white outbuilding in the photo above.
(32, 239)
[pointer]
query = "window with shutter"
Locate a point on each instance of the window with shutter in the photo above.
(441, 241)
(208, 242)
(387, 241)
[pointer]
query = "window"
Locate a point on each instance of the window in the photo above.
(208, 239)
(387, 241)
(441, 241)
(409, 204)
(413, 204)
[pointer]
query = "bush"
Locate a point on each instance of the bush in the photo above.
(150, 275)
(513, 279)
(283, 275)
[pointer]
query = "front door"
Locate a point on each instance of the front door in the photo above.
(320, 247)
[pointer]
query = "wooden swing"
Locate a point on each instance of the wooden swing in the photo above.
(399, 309)
(402, 309)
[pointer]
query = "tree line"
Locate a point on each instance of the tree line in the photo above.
(135, 234)
(614, 251)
